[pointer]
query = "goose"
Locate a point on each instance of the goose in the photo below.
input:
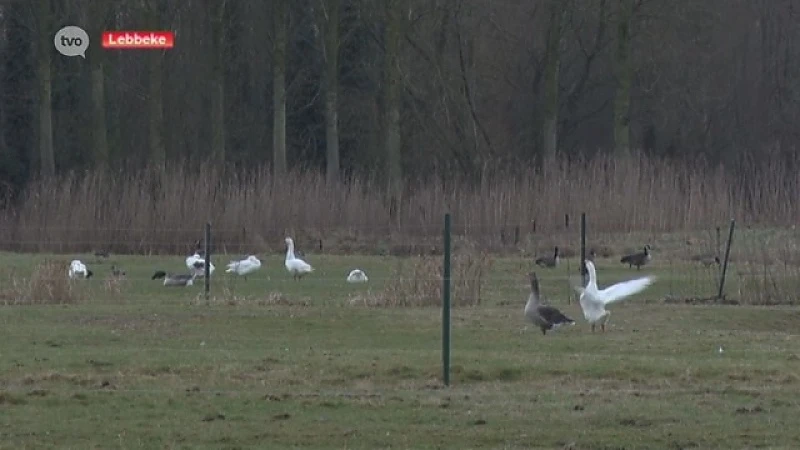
(116, 271)
(245, 266)
(548, 261)
(357, 276)
(77, 269)
(197, 264)
(637, 259)
(543, 316)
(174, 279)
(707, 260)
(593, 300)
(297, 267)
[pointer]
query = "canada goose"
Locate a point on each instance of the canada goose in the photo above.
(543, 316)
(357, 276)
(297, 267)
(117, 272)
(77, 269)
(245, 266)
(548, 261)
(637, 259)
(174, 279)
(593, 300)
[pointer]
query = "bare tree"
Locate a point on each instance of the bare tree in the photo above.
(279, 17)
(391, 95)
(217, 13)
(623, 66)
(328, 19)
(156, 10)
(552, 68)
(98, 15)
(44, 18)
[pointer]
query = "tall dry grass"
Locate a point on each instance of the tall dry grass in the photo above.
(417, 281)
(48, 284)
(163, 211)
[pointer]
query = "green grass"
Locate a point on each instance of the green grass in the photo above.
(274, 363)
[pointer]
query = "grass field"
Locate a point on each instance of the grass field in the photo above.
(274, 363)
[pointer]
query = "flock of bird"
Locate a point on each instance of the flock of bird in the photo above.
(196, 265)
(593, 300)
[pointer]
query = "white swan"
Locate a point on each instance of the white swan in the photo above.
(297, 267)
(197, 265)
(245, 266)
(593, 301)
(357, 276)
(78, 269)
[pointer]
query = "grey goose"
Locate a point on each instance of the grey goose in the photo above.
(544, 316)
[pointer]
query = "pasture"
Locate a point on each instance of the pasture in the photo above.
(274, 363)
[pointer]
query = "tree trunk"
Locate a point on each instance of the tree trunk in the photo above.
(624, 73)
(155, 99)
(217, 8)
(552, 69)
(279, 87)
(158, 153)
(391, 90)
(331, 80)
(97, 19)
(47, 165)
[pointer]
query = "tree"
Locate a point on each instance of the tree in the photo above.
(279, 39)
(98, 21)
(391, 104)
(550, 132)
(44, 16)
(623, 66)
(328, 19)
(217, 12)
(156, 9)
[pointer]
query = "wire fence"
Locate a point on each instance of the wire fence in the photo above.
(764, 263)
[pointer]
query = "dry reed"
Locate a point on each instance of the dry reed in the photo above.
(163, 211)
(417, 281)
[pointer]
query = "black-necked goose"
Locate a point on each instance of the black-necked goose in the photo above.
(637, 259)
(174, 279)
(593, 300)
(548, 261)
(543, 316)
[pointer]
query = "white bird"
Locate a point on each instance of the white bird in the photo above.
(593, 301)
(78, 269)
(197, 264)
(297, 267)
(245, 266)
(357, 276)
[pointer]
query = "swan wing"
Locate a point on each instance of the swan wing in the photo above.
(624, 289)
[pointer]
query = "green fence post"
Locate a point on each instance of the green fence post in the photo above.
(446, 304)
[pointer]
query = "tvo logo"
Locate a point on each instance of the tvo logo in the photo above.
(71, 41)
